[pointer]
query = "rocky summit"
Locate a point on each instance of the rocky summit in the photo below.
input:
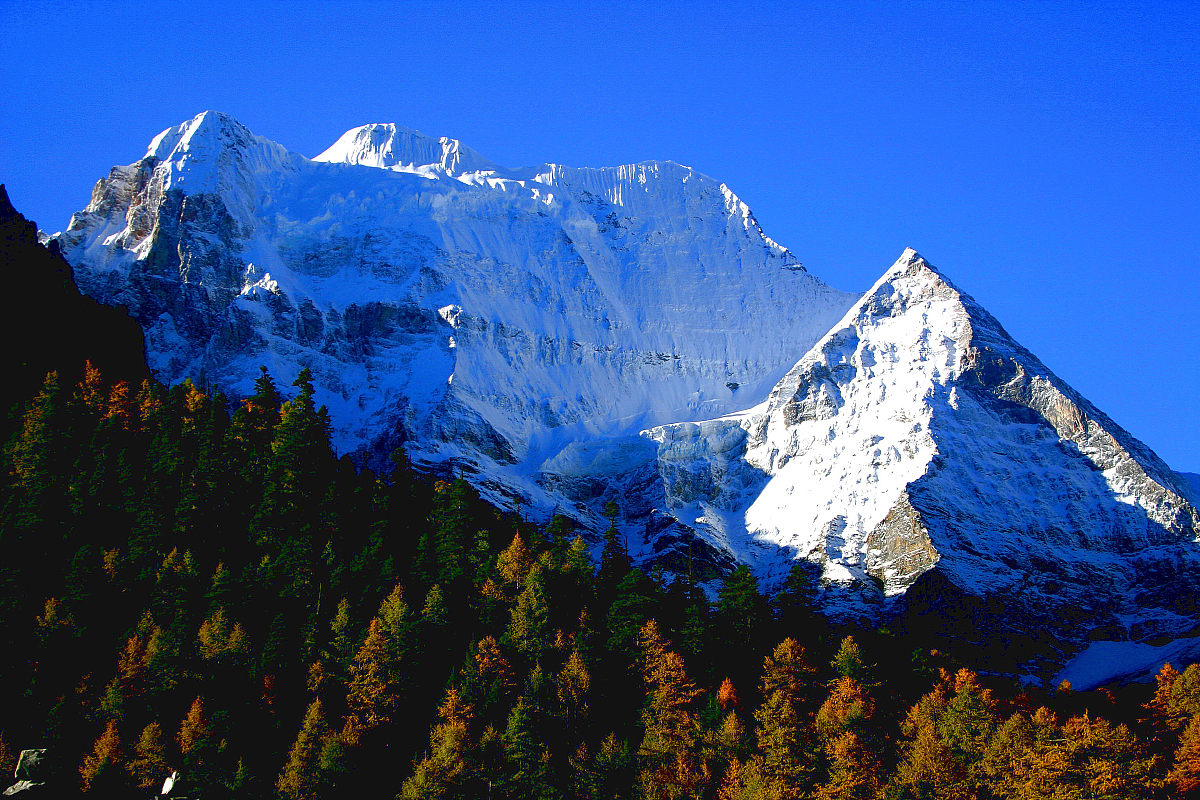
(565, 337)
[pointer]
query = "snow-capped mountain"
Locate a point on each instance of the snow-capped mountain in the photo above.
(568, 336)
(918, 435)
(488, 315)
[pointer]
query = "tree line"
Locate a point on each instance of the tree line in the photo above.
(197, 585)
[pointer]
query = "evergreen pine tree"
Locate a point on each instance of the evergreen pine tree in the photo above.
(612, 771)
(525, 756)
(37, 517)
(739, 623)
(291, 523)
(614, 558)
(252, 429)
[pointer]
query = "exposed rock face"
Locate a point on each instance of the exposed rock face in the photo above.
(899, 546)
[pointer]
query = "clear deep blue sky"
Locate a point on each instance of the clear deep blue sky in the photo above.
(1043, 155)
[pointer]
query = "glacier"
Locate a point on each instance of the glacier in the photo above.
(564, 337)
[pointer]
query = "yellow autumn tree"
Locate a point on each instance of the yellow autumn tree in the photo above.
(1106, 761)
(101, 770)
(193, 731)
(672, 766)
(149, 766)
(928, 766)
(514, 563)
(788, 750)
(298, 780)
(196, 744)
(848, 708)
(1184, 777)
(853, 769)
(727, 696)
(448, 763)
(1176, 700)
(214, 635)
(572, 687)
(371, 696)
(131, 680)
(1023, 758)
(120, 406)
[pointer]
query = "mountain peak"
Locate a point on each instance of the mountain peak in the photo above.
(918, 437)
(213, 153)
(912, 266)
(393, 147)
(206, 130)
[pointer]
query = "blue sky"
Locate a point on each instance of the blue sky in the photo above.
(1045, 156)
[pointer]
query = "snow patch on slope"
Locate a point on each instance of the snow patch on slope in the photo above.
(1105, 662)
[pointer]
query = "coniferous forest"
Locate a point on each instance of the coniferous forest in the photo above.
(201, 585)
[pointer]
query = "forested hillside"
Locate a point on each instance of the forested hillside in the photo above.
(201, 585)
(189, 588)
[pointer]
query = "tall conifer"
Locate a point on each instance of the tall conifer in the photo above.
(298, 780)
(102, 771)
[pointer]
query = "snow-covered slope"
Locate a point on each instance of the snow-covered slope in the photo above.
(389, 146)
(916, 436)
(488, 315)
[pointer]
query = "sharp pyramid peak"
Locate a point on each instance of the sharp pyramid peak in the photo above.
(911, 265)
(206, 129)
(214, 117)
(911, 304)
(910, 281)
(211, 119)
